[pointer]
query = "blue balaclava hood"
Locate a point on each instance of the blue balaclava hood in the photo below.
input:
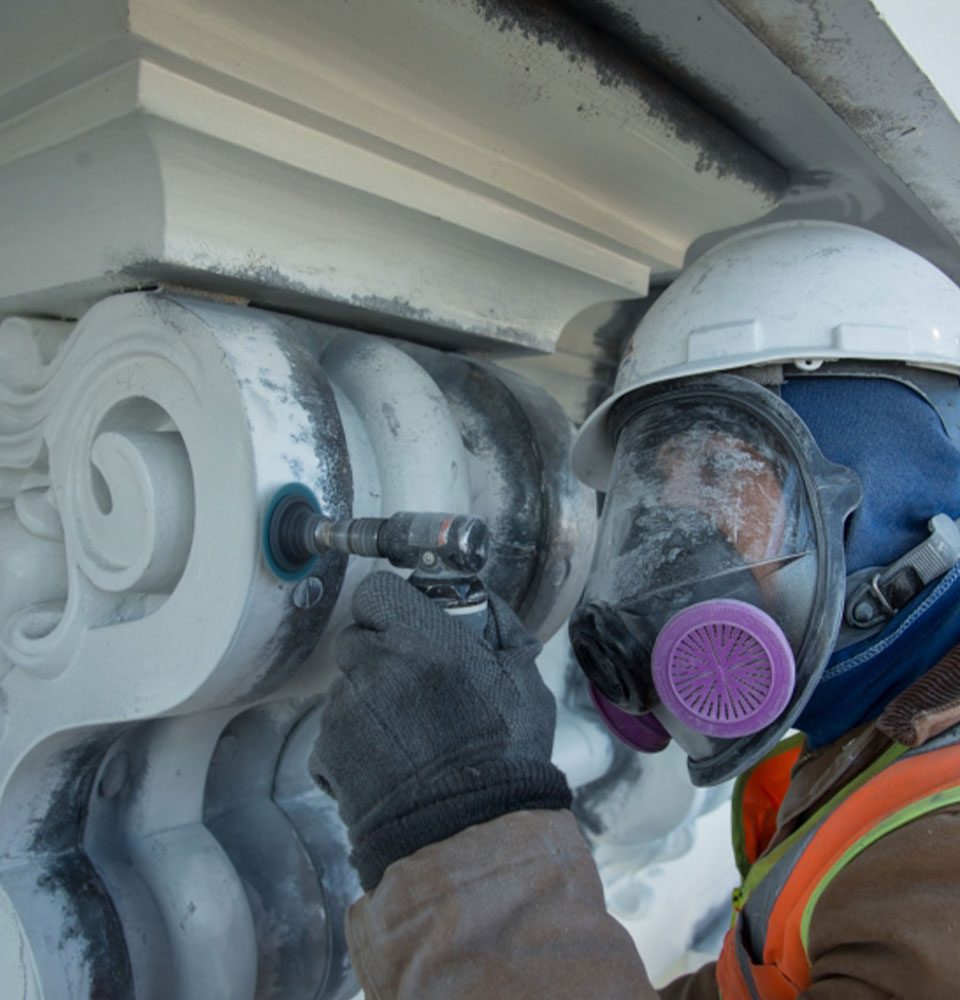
(895, 439)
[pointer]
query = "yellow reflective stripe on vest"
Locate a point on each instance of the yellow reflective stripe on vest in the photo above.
(766, 953)
(763, 866)
(906, 815)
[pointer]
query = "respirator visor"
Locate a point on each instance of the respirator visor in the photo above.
(718, 580)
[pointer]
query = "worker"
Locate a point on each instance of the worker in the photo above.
(777, 551)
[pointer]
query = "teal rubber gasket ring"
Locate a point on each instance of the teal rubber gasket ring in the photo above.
(282, 494)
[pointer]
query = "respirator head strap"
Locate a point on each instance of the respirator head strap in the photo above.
(883, 593)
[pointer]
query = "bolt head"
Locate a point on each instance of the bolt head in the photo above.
(307, 593)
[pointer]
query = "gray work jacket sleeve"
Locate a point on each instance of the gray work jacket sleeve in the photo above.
(511, 908)
(514, 909)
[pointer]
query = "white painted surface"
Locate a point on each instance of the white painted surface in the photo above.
(879, 104)
(450, 168)
(285, 156)
(929, 32)
(153, 668)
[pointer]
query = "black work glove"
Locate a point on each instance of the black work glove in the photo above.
(431, 729)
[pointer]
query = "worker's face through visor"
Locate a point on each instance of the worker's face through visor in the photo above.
(718, 581)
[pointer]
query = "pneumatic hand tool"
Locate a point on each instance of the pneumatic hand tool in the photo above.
(445, 551)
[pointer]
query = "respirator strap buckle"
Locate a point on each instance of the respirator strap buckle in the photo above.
(887, 591)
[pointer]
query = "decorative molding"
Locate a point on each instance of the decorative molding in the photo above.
(455, 170)
(158, 684)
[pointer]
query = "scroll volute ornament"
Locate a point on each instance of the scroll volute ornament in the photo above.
(135, 453)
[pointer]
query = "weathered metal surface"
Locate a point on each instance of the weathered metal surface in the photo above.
(477, 174)
(824, 105)
(518, 444)
(160, 833)
(298, 905)
(851, 58)
(474, 170)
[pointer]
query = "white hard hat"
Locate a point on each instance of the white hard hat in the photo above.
(799, 292)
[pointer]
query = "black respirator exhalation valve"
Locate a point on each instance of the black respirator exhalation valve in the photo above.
(612, 657)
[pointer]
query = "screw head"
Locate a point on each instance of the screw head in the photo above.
(307, 593)
(428, 558)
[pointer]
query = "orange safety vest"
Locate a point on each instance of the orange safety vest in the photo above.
(764, 954)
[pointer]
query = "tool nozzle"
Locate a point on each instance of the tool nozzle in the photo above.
(436, 543)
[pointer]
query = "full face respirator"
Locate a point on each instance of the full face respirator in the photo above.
(718, 583)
